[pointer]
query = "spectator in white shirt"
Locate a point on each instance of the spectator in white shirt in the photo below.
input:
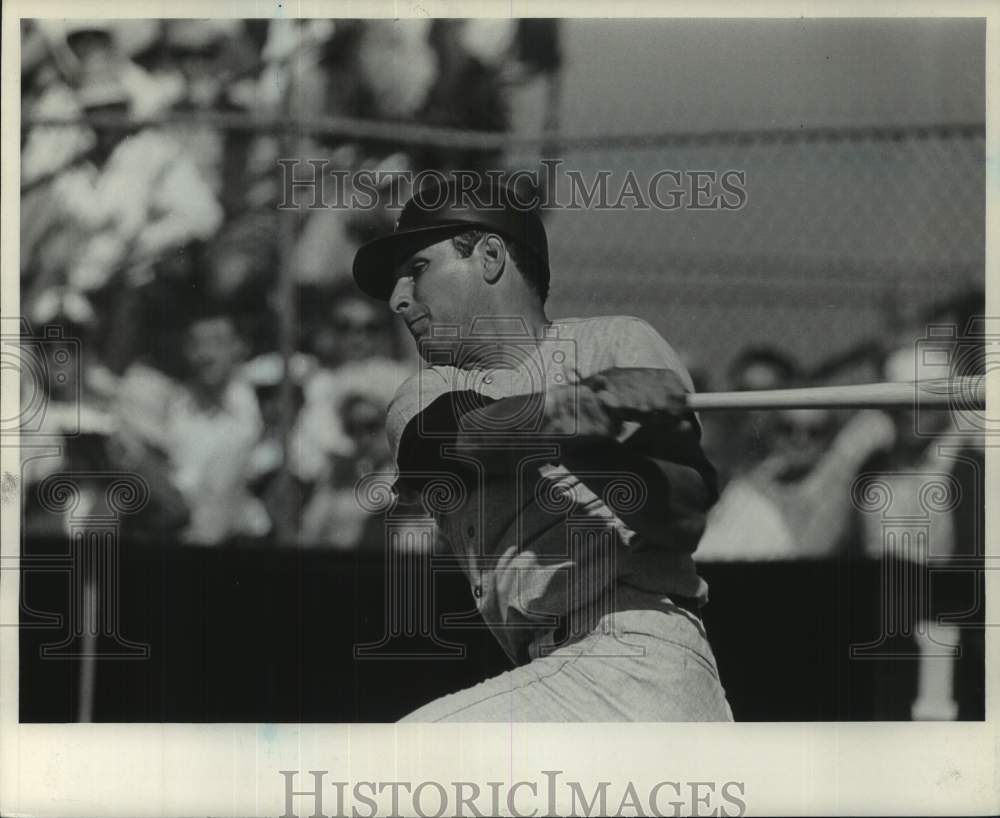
(129, 202)
(354, 346)
(207, 428)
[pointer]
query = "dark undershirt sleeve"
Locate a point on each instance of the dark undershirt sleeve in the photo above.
(420, 448)
(426, 434)
(681, 445)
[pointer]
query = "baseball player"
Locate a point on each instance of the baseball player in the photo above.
(585, 489)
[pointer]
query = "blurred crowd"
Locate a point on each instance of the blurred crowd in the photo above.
(902, 488)
(160, 248)
(793, 480)
(150, 234)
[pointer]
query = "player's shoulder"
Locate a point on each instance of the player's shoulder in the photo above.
(415, 395)
(608, 325)
(608, 334)
(427, 378)
(623, 341)
(420, 390)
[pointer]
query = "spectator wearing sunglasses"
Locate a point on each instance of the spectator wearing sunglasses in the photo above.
(333, 518)
(798, 499)
(354, 350)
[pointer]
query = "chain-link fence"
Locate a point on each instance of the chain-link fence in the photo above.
(839, 230)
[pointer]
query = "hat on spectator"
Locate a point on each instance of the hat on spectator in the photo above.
(101, 89)
(77, 25)
(444, 208)
(129, 36)
(489, 41)
(136, 36)
(61, 35)
(199, 35)
(64, 304)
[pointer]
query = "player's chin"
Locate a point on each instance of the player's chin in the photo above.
(420, 327)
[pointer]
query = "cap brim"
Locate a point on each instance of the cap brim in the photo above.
(376, 262)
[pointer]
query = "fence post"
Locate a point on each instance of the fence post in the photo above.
(286, 524)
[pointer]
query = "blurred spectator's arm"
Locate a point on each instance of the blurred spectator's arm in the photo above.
(183, 209)
(167, 510)
(818, 508)
(865, 434)
(315, 437)
(52, 149)
(34, 50)
(318, 516)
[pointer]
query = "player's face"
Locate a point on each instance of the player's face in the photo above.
(436, 287)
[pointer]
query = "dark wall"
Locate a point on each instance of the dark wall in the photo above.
(269, 635)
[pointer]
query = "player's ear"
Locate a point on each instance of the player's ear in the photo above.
(493, 256)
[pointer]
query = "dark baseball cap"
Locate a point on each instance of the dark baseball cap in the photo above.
(443, 208)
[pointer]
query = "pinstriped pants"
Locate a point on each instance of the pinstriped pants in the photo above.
(650, 663)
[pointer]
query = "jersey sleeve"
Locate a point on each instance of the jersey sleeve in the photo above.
(426, 414)
(414, 396)
(637, 344)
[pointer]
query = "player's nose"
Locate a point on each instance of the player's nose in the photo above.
(402, 295)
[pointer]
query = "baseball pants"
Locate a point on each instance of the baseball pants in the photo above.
(642, 664)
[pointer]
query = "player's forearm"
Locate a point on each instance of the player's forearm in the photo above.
(675, 514)
(502, 433)
(676, 498)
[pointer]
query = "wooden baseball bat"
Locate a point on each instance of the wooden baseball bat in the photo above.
(963, 394)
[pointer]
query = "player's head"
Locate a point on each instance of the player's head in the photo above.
(454, 281)
(457, 255)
